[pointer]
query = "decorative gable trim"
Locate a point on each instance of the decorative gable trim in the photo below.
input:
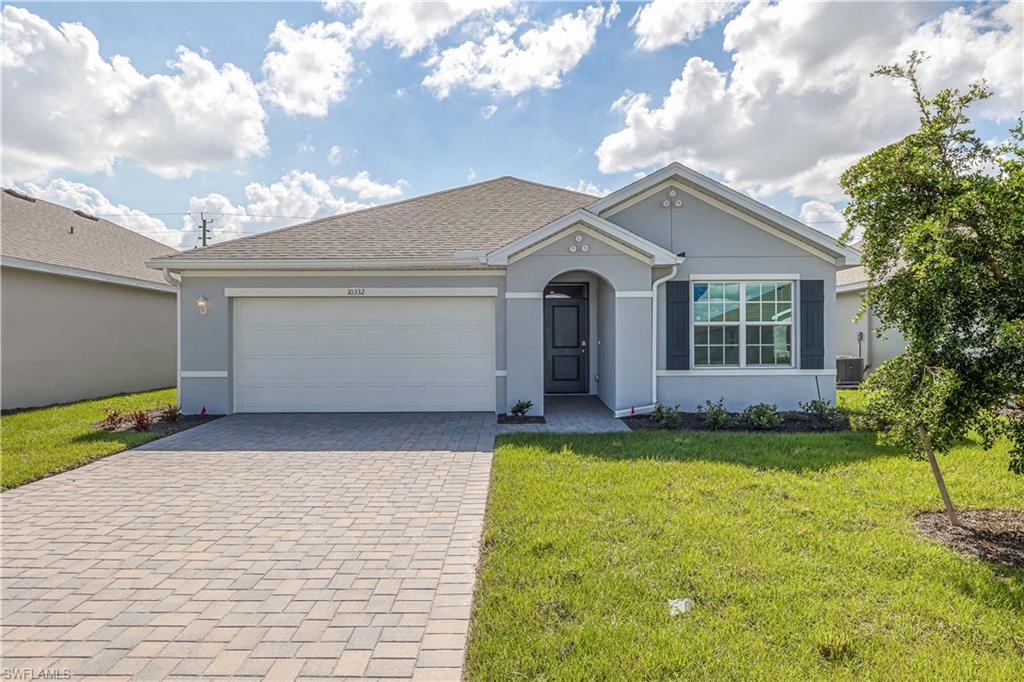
(594, 226)
(735, 203)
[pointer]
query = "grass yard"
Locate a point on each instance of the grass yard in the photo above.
(798, 550)
(40, 442)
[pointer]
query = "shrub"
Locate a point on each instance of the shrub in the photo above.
(521, 408)
(112, 419)
(141, 420)
(170, 413)
(822, 410)
(762, 416)
(666, 416)
(715, 415)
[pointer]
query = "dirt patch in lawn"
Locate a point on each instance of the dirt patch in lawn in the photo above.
(510, 419)
(995, 535)
(792, 422)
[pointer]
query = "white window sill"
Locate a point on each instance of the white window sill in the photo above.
(744, 372)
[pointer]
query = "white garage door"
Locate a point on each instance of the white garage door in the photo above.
(364, 354)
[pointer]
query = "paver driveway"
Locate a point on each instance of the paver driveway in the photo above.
(267, 546)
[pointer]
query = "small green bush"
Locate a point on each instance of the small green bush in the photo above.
(521, 408)
(762, 416)
(823, 411)
(715, 415)
(667, 416)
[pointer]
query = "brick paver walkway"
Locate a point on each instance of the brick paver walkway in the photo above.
(274, 546)
(571, 414)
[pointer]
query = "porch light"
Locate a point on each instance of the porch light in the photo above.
(202, 304)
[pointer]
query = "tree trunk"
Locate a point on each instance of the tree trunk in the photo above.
(926, 441)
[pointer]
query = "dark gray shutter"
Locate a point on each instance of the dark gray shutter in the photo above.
(812, 324)
(677, 327)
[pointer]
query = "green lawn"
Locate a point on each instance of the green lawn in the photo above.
(798, 550)
(48, 440)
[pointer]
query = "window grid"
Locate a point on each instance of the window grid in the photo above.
(731, 330)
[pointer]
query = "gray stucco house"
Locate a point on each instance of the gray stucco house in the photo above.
(674, 288)
(82, 315)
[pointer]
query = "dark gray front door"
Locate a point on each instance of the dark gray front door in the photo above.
(565, 338)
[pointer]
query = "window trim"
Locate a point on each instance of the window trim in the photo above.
(742, 324)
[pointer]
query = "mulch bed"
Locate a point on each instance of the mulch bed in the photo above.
(792, 422)
(509, 419)
(165, 428)
(994, 535)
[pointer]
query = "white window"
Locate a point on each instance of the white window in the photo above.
(743, 324)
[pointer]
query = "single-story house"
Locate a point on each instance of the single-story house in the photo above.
(82, 315)
(860, 338)
(674, 288)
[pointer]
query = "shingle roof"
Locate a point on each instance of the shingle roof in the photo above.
(852, 275)
(42, 232)
(478, 217)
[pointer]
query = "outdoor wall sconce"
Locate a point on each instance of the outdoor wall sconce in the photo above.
(202, 304)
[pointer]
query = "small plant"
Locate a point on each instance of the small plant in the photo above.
(112, 419)
(521, 408)
(823, 411)
(715, 415)
(666, 416)
(141, 420)
(762, 416)
(171, 413)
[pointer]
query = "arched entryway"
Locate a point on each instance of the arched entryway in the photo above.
(579, 334)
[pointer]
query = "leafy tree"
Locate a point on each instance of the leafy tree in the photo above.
(942, 213)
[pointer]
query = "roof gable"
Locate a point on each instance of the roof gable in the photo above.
(728, 199)
(598, 227)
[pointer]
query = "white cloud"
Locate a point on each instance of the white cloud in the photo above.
(297, 197)
(612, 13)
(503, 63)
(823, 216)
(399, 92)
(471, 175)
(66, 106)
(798, 106)
(91, 200)
(413, 26)
(488, 110)
(367, 188)
(306, 145)
(334, 156)
(589, 188)
(671, 22)
(311, 68)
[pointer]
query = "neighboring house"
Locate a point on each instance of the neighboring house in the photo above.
(859, 338)
(82, 316)
(674, 289)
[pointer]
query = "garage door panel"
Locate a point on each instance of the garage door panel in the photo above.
(409, 398)
(440, 340)
(372, 354)
(372, 311)
(359, 370)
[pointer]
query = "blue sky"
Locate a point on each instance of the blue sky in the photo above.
(773, 99)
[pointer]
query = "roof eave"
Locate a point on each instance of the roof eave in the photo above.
(177, 264)
(80, 273)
